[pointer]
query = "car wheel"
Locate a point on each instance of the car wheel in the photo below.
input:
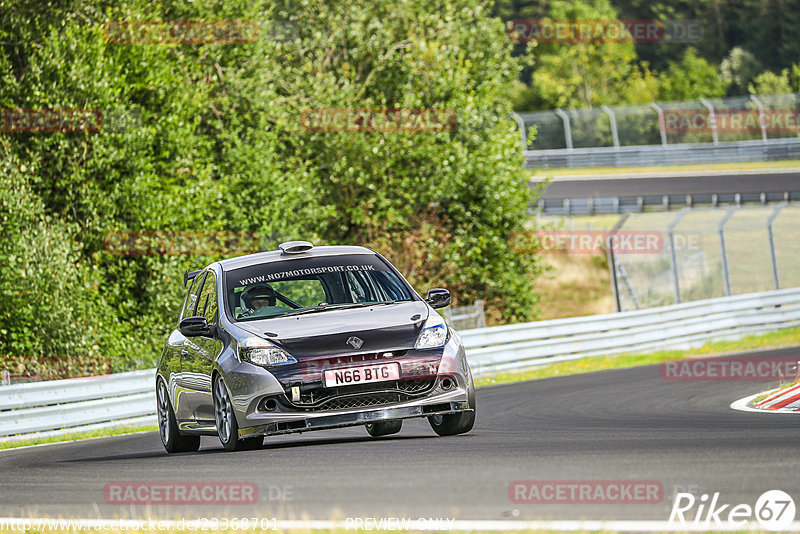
(227, 428)
(456, 423)
(384, 429)
(171, 437)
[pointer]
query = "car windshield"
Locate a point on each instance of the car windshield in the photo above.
(312, 285)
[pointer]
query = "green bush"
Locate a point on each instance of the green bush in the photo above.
(210, 137)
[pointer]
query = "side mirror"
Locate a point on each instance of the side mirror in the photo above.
(195, 326)
(438, 298)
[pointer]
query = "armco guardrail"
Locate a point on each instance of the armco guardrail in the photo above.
(519, 346)
(81, 403)
(78, 403)
(642, 203)
(653, 155)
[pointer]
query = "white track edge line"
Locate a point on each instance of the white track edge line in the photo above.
(427, 525)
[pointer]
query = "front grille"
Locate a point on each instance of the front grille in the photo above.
(362, 401)
(373, 394)
(346, 359)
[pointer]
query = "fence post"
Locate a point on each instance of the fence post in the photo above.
(662, 126)
(567, 127)
(612, 266)
(5, 378)
(762, 121)
(673, 258)
(712, 119)
(772, 254)
(481, 319)
(613, 119)
(726, 277)
(522, 133)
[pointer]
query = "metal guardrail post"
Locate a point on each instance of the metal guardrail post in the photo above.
(481, 317)
(662, 126)
(612, 266)
(726, 277)
(712, 119)
(673, 258)
(613, 119)
(772, 254)
(522, 133)
(762, 120)
(567, 128)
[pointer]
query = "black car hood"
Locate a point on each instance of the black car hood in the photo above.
(380, 328)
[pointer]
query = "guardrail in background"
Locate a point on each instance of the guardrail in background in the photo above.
(519, 346)
(78, 404)
(654, 155)
(640, 204)
(465, 317)
(125, 398)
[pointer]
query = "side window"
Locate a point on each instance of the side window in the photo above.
(190, 304)
(207, 304)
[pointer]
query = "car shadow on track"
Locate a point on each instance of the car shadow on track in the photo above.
(313, 442)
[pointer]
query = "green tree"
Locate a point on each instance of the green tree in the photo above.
(442, 205)
(739, 69)
(692, 77)
(586, 74)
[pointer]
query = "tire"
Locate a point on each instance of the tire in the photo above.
(227, 428)
(385, 428)
(171, 437)
(456, 423)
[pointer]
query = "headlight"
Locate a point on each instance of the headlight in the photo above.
(434, 333)
(261, 352)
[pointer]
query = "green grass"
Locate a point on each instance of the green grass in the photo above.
(751, 165)
(100, 433)
(781, 338)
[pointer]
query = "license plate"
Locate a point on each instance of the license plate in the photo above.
(362, 375)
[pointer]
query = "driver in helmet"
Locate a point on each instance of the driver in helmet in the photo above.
(256, 297)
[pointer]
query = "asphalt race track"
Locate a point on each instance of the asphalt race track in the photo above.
(773, 182)
(612, 425)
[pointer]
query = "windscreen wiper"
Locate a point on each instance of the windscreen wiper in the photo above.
(344, 306)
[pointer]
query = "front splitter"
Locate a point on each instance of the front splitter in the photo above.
(354, 419)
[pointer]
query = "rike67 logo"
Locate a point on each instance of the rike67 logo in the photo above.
(774, 510)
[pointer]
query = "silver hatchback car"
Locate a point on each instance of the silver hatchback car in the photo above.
(308, 338)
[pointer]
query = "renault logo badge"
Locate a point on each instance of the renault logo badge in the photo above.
(355, 342)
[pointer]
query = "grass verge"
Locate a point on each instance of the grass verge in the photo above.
(781, 338)
(589, 171)
(99, 433)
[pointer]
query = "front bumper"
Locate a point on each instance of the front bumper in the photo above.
(324, 421)
(251, 386)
